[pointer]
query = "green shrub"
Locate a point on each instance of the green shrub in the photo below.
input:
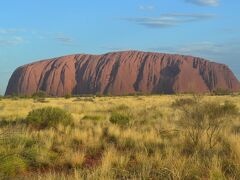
(183, 102)
(24, 96)
(121, 107)
(120, 119)
(216, 111)
(86, 99)
(40, 100)
(221, 92)
(15, 98)
(91, 117)
(11, 166)
(39, 94)
(48, 117)
(39, 97)
(68, 96)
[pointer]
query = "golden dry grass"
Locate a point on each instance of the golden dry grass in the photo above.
(151, 146)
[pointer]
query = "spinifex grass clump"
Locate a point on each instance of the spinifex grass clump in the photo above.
(48, 117)
(119, 118)
(12, 165)
(11, 162)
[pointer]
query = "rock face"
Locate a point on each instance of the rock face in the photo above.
(121, 73)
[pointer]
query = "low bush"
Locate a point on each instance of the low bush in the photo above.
(68, 96)
(11, 166)
(48, 117)
(216, 111)
(222, 92)
(39, 97)
(119, 118)
(39, 94)
(15, 98)
(40, 100)
(91, 117)
(183, 102)
(85, 99)
(24, 97)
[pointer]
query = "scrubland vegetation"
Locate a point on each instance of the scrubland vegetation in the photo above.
(132, 137)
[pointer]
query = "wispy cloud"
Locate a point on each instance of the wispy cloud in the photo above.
(114, 48)
(10, 31)
(11, 36)
(62, 38)
(146, 7)
(169, 20)
(213, 50)
(193, 48)
(12, 41)
(204, 2)
(202, 48)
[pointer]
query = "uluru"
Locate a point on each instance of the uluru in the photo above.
(121, 73)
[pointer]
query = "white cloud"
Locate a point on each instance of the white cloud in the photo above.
(10, 31)
(61, 37)
(200, 48)
(146, 7)
(204, 2)
(169, 20)
(12, 41)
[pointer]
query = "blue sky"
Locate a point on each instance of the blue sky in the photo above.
(34, 30)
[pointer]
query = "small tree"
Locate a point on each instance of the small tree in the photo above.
(217, 116)
(206, 119)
